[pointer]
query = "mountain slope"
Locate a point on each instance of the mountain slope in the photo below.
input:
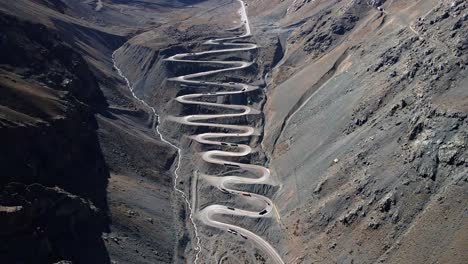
(366, 129)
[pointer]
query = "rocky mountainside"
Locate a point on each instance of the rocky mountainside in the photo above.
(362, 122)
(366, 130)
(48, 138)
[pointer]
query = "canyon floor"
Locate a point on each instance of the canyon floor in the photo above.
(227, 131)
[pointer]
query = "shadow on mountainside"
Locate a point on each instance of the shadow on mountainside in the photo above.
(53, 200)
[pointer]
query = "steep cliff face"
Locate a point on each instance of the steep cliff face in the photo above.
(47, 225)
(41, 55)
(48, 138)
(366, 130)
(49, 98)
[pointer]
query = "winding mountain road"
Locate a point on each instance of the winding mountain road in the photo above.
(223, 183)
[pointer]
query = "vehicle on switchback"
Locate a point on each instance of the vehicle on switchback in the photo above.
(234, 232)
(224, 144)
(246, 194)
(263, 212)
(224, 190)
(231, 208)
(244, 237)
(234, 145)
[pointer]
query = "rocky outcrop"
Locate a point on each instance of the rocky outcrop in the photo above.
(64, 152)
(326, 30)
(38, 53)
(44, 225)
